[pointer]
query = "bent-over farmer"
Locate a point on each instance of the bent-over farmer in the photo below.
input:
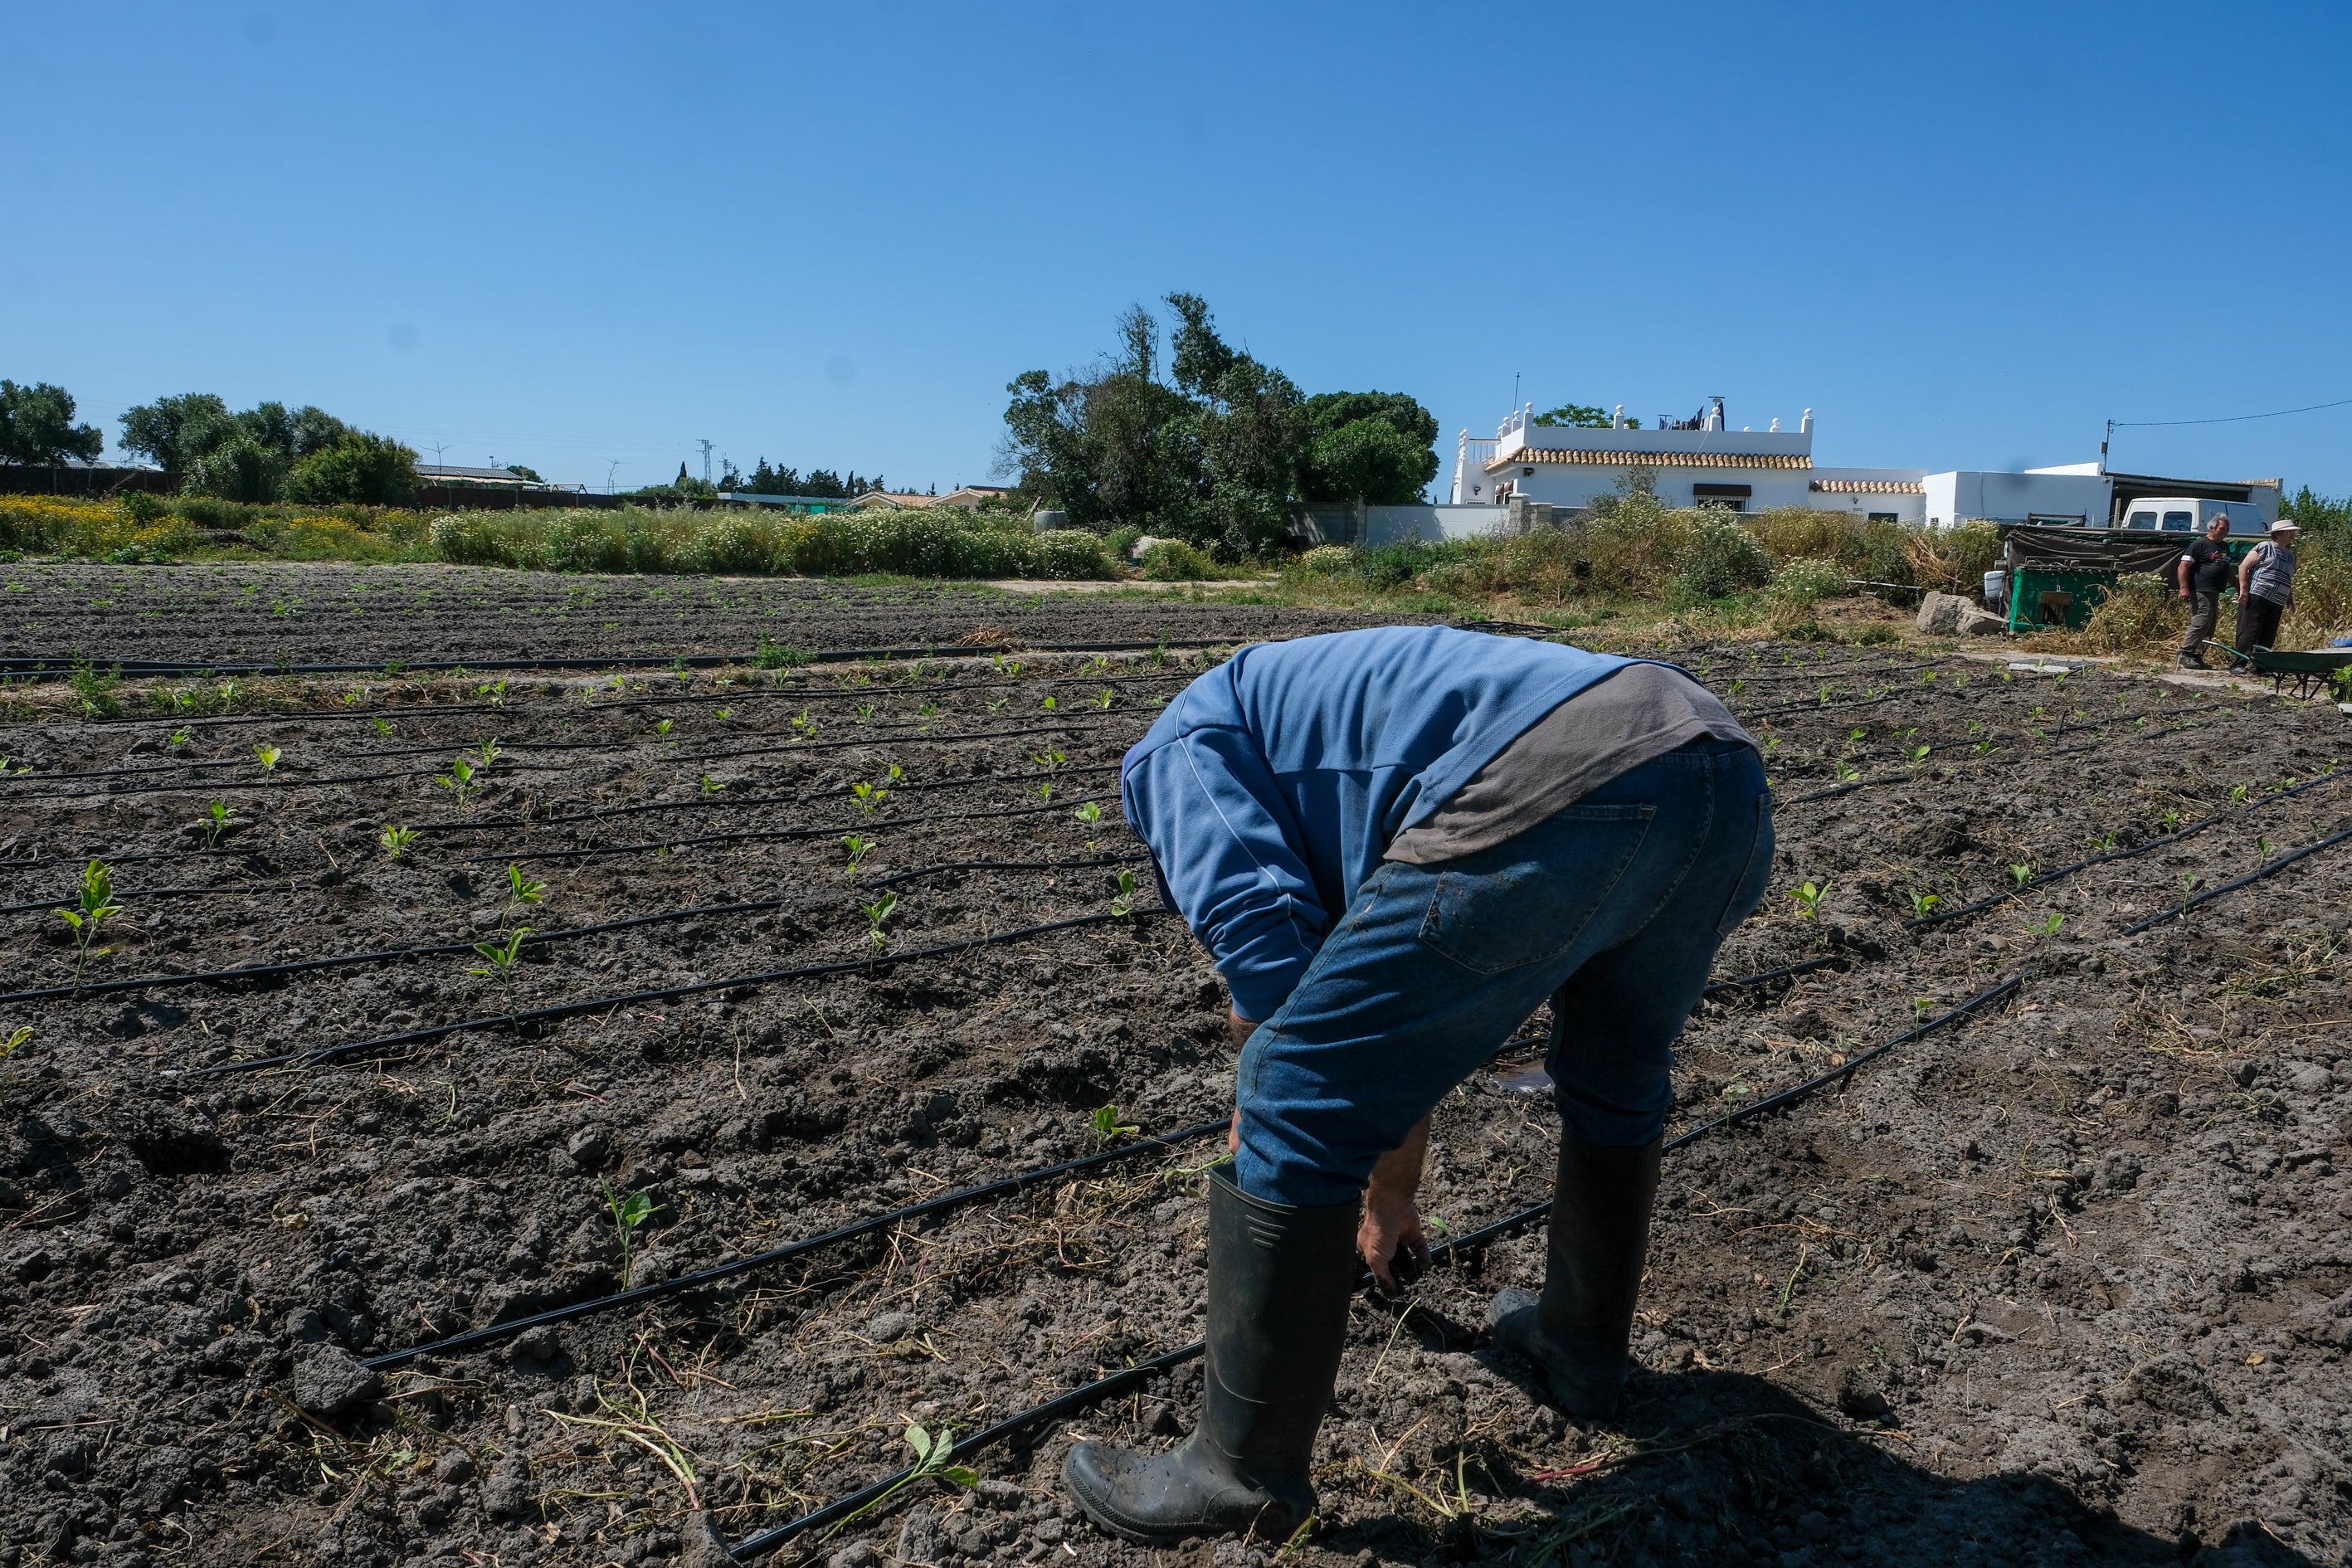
(1396, 845)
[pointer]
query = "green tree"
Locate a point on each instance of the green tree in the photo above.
(1376, 447)
(175, 431)
(1582, 416)
(36, 425)
(361, 467)
(238, 467)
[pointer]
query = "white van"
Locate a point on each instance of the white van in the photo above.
(2187, 515)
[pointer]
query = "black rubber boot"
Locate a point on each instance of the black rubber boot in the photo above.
(1575, 1332)
(1279, 1280)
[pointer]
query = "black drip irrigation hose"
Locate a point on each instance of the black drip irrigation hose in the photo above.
(2153, 845)
(773, 835)
(2210, 894)
(44, 905)
(1087, 1394)
(59, 668)
(475, 1339)
(532, 939)
(411, 1038)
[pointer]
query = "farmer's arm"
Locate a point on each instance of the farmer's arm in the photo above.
(2246, 570)
(2181, 572)
(1222, 839)
(1389, 1234)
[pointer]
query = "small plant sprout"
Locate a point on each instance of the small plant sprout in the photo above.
(711, 785)
(16, 1042)
(1051, 705)
(801, 723)
(2019, 875)
(180, 737)
(628, 1214)
(2263, 842)
(460, 781)
(1103, 699)
(1734, 1096)
(94, 907)
(215, 822)
(1847, 772)
(501, 960)
(662, 727)
(1920, 1007)
(869, 796)
(496, 691)
(1090, 812)
(1808, 900)
(1924, 904)
(266, 756)
(396, 839)
(865, 712)
(859, 848)
(2171, 820)
(1049, 761)
(1917, 754)
(521, 890)
(385, 727)
(722, 714)
(880, 910)
(1046, 792)
(2105, 842)
(1122, 902)
(2188, 880)
(998, 705)
(2238, 796)
(1108, 1129)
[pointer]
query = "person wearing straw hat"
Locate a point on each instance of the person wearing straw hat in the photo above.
(2266, 587)
(1397, 843)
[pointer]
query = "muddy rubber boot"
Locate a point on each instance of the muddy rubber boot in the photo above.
(1575, 1332)
(1279, 1281)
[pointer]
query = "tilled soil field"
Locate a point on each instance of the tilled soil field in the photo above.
(233, 614)
(2060, 1276)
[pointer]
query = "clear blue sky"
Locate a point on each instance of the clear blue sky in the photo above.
(565, 233)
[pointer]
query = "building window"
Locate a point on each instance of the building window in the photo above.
(1886, 517)
(1731, 498)
(1527, 473)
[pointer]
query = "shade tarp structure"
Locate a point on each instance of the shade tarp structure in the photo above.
(2087, 549)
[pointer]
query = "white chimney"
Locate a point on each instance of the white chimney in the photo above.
(1618, 422)
(1806, 425)
(1776, 425)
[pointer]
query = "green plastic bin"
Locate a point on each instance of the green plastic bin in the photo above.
(2028, 584)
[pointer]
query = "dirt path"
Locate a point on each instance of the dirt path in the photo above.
(2065, 1281)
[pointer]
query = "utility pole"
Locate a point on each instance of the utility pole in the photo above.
(706, 445)
(609, 470)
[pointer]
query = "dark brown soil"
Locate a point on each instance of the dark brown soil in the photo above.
(2068, 1281)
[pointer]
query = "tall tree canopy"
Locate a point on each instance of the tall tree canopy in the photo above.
(36, 425)
(1215, 449)
(268, 452)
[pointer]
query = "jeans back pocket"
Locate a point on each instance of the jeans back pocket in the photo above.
(1531, 899)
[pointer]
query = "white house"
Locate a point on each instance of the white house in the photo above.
(1702, 461)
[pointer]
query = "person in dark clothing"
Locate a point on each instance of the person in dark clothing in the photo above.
(2266, 587)
(1397, 843)
(2204, 572)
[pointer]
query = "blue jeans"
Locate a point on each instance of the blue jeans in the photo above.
(1613, 908)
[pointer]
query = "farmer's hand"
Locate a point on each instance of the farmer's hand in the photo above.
(1238, 1028)
(1389, 1234)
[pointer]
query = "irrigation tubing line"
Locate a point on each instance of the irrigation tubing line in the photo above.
(2210, 894)
(1119, 1382)
(770, 834)
(532, 939)
(413, 1037)
(43, 905)
(474, 1338)
(62, 667)
(2149, 847)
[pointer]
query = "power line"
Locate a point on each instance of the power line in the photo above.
(2229, 418)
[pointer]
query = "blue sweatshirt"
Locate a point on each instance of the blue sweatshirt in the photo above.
(1272, 786)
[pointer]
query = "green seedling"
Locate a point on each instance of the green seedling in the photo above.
(1052, 704)
(502, 959)
(1108, 1129)
(1090, 812)
(859, 848)
(1011, 668)
(521, 889)
(94, 907)
(711, 785)
(869, 796)
(2021, 875)
(2263, 842)
(2104, 843)
(806, 728)
(663, 727)
(496, 691)
(266, 756)
(1122, 902)
(1105, 698)
(628, 1214)
(2049, 927)
(1808, 900)
(865, 712)
(179, 738)
(2171, 820)
(396, 840)
(1847, 772)
(2188, 880)
(934, 1458)
(1924, 904)
(930, 711)
(1920, 1007)
(384, 726)
(1928, 675)
(1159, 654)
(16, 1042)
(2238, 796)
(1918, 754)
(880, 910)
(998, 705)
(722, 714)
(1102, 663)
(1048, 761)
(461, 781)
(1046, 792)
